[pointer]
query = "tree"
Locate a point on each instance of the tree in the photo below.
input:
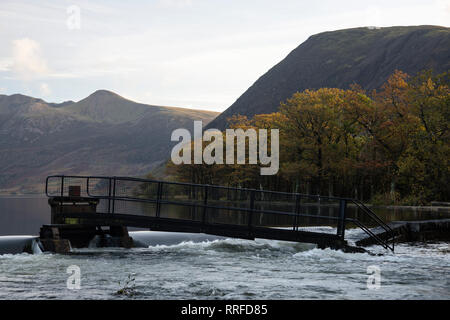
(394, 141)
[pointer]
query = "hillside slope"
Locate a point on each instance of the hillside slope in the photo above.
(103, 134)
(340, 58)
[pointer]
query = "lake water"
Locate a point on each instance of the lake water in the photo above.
(25, 215)
(197, 268)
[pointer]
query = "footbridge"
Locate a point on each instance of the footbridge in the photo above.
(83, 205)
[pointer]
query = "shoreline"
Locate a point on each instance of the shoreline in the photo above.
(24, 196)
(430, 208)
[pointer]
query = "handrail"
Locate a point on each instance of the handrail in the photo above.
(112, 196)
(380, 223)
(118, 178)
(373, 235)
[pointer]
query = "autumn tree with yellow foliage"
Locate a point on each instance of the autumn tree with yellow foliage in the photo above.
(390, 145)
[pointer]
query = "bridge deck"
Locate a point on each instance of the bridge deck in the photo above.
(217, 210)
(226, 230)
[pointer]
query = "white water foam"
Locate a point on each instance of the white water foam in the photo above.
(19, 244)
(231, 269)
(153, 238)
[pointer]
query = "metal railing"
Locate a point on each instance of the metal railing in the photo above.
(369, 213)
(212, 204)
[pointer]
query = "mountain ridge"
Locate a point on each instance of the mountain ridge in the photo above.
(101, 136)
(362, 55)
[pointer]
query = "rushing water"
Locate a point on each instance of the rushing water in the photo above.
(230, 269)
(217, 269)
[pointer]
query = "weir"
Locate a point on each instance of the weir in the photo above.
(83, 207)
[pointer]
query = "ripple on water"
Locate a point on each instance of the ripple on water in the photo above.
(230, 269)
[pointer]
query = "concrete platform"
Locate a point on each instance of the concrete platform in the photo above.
(412, 231)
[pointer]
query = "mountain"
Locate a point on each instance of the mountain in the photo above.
(103, 134)
(366, 56)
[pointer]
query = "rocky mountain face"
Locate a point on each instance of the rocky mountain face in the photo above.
(366, 56)
(103, 134)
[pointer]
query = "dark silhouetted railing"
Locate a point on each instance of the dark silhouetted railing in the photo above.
(211, 204)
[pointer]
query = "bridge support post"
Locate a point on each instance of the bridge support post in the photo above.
(205, 203)
(297, 212)
(109, 195)
(120, 237)
(252, 209)
(342, 217)
(114, 196)
(158, 200)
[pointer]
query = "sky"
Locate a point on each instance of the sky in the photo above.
(200, 54)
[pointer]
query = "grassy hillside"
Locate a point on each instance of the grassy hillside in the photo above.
(340, 58)
(103, 134)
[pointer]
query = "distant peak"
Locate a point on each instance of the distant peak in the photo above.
(105, 93)
(21, 98)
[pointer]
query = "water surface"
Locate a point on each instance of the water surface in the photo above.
(230, 269)
(25, 215)
(222, 268)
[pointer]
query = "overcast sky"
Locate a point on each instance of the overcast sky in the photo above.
(190, 53)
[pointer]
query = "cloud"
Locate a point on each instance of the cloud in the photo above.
(45, 89)
(175, 3)
(444, 7)
(5, 64)
(27, 59)
(374, 16)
